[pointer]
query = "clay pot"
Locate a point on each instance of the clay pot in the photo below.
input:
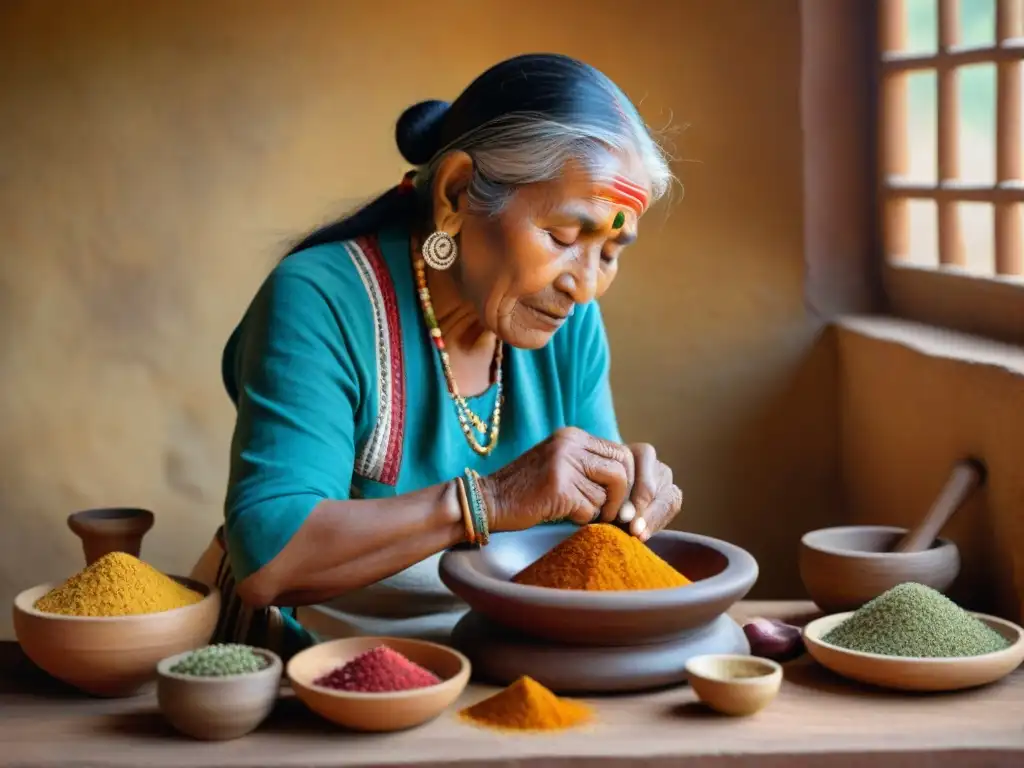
(112, 529)
(721, 573)
(843, 568)
(218, 708)
(111, 656)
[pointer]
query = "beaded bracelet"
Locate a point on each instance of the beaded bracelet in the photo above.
(476, 506)
(467, 513)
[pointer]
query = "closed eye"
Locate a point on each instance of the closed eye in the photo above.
(560, 243)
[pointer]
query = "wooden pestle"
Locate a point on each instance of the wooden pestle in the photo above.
(966, 477)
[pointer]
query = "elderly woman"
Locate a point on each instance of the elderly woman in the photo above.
(433, 368)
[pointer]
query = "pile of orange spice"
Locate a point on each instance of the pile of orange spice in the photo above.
(601, 557)
(526, 705)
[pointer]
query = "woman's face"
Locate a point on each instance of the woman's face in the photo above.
(554, 245)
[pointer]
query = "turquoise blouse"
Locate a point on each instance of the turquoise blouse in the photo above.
(340, 393)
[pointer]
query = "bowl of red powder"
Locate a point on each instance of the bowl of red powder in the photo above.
(378, 683)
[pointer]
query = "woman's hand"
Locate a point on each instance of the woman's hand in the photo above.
(570, 476)
(655, 497)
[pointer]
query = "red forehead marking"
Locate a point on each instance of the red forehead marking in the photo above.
(622, 191)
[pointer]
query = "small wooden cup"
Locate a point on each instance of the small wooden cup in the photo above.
(217, 708)
(734, 684)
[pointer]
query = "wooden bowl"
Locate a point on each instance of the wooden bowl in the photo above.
(378, 711)
(217, 708)
(734, 685)
(721, 574)
(916, 674)
(111, 656)
(843, 568)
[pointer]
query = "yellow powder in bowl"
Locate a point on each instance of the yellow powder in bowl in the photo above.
(117, 585)
(601, 557)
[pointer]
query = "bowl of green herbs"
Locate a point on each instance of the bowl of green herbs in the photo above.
(914, 638)
(218, 692)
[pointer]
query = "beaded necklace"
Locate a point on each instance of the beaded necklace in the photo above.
(468, 420)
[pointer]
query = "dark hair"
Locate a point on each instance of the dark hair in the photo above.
(520, 121)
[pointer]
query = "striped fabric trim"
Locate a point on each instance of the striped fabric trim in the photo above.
(237, 624)
(380, 457)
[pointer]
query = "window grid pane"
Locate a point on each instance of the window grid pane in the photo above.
(967, 203)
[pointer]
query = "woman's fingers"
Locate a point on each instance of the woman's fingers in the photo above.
(659, 513)
(627, 512)
(648, 480)
(585, 501)
(604, 462)
(612, 476)
(613, 451)
(629, 475)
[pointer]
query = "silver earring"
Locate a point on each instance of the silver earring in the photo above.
(439, 250)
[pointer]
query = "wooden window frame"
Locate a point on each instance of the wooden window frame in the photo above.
(852, 195)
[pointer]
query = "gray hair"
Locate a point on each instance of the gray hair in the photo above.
(527, 147)
(522, 121)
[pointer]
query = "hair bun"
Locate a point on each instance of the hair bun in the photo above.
(418, 132)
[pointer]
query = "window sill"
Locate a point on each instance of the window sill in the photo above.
(987, 307)
(937, 342)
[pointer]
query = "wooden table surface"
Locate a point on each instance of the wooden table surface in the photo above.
(817, 720)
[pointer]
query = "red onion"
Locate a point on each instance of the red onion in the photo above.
(773, 639)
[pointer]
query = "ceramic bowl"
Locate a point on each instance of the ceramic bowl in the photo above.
(721, 574)
(916, 674)
(378, 711)
(217, 708)
(734, 685)
(111, 656)
(843, 568)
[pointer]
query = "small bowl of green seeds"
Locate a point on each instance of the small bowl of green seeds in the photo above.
(914, 638)
(218, 692)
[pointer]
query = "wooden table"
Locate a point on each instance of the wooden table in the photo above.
(817, 720)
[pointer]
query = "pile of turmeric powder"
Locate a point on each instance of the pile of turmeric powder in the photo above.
(526, 705)
(601, 557)
(117, 584)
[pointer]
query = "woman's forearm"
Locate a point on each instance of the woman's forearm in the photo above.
(347, 545)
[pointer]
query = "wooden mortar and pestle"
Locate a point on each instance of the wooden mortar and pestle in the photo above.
(112, 529)
(843, 568)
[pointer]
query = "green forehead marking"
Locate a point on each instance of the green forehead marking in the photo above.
(620, 219)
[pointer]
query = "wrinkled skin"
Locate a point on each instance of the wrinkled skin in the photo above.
(551, 247)
(575, 476)
(518, 276)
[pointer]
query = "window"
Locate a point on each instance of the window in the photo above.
(951, 161)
